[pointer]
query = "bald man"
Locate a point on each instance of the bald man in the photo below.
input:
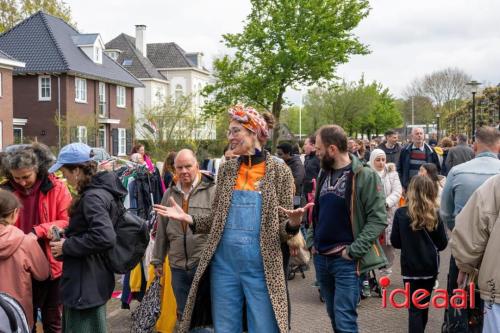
(194, 192)
(414, 155)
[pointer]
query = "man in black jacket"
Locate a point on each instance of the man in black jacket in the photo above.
(284, 151)
(391, 147)
(311, 164)
(414, 155)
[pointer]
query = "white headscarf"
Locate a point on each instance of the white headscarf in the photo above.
(373, 156)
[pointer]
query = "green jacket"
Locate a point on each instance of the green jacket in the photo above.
(368, 217)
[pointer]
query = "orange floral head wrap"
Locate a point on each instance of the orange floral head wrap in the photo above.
(249, 118)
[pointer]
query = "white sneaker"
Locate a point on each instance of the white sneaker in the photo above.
(436, 284)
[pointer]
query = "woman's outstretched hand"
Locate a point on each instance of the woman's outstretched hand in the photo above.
(295, 215)
(174, 212)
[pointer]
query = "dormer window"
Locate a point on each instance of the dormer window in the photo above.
(112, 53)
(98, 55)
(91, 44)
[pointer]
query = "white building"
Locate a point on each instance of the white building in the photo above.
(165, 69)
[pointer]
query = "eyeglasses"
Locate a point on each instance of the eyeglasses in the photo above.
(234, 131)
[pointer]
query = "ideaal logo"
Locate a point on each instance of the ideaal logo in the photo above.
(440, 299)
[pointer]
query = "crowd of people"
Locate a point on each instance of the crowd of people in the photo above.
(221, 243)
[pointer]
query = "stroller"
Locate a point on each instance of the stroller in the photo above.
(298, 263)
(12, 317)
(375, 289)
(296, 266)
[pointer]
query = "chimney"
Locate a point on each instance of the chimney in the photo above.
(140, 38)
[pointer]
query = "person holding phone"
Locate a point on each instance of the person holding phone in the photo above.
(45, 200)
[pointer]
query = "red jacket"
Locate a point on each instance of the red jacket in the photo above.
(53, 205)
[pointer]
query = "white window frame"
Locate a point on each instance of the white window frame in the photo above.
(121, 97)
(22, 133)
(179, 91)
(41, 88)
(122, 142)
(97, 54)
(80, 90)
(82, 134)
(102, 99)
(102, 131)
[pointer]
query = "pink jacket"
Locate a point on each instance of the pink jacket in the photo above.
(53, 205)
(21, 259)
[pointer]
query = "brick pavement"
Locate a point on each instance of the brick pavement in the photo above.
(309, 315)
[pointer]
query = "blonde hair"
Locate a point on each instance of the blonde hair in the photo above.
(422, 206)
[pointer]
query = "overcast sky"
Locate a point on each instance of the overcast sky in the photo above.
(407, 39)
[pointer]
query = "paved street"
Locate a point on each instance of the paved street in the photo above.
(309, 315)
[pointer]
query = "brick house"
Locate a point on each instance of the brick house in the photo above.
(7, 64)
(69, 90)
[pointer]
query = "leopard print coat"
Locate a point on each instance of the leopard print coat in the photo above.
(277, 190)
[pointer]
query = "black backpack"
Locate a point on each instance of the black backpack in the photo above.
(132, 238)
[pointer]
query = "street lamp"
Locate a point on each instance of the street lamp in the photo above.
(473, 88)
(437, 124)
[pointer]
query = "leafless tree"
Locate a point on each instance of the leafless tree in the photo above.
(446, 85)
(443, 87)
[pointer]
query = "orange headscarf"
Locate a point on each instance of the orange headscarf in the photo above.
(251, 120)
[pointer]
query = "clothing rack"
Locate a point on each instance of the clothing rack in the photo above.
(141, 168)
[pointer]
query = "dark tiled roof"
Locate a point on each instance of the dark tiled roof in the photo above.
(46, 44)
(6, 56)
(136, 63)
(168, 55)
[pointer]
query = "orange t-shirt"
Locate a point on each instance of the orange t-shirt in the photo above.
(249, 176)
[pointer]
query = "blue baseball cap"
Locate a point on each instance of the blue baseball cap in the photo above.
(73, 153)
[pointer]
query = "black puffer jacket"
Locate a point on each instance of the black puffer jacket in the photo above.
(87, 281)
(298, 171)
(312, 166)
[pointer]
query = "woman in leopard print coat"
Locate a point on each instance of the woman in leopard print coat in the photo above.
(256, 172)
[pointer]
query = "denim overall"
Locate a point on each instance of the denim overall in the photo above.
(237, 271)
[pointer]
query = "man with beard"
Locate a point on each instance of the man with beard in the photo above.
(349, 215)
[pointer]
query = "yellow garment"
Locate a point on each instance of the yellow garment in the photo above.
(136, 279)
(168, 316)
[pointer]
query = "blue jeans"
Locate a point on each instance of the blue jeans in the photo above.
(181, 283)
(339, 284)
(237, 271)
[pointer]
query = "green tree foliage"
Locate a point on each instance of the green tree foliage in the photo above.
(284, 44)
(13, 11)
(423, 110)
(358, 107)
(178, 126)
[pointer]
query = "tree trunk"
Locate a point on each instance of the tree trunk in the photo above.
(276, 110)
